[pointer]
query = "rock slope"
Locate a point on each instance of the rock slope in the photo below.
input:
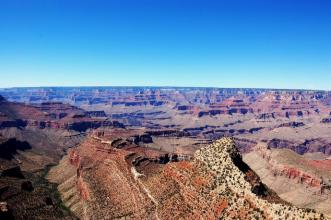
(216, 184)
(301, 181)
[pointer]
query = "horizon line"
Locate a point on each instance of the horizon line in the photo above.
(167, 86)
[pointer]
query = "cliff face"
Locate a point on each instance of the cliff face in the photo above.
(71, 186)
(226, 165)
(49, 115)
(307, 146)
(198, 102)
(285, 169)
(99, 181)
(31, 139)
(298, 180)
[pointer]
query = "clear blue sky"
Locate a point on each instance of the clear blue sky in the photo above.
(229, 43)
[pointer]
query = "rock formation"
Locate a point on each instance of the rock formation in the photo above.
(281, 167)
(141, 140)
(216, 184)
(49, 115)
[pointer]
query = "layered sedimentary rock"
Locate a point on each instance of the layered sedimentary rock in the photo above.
(210, 101)
(307, 146)
(164, 127)
(49, 115)
(291, 174)
(216, 184)
(228, 107)
(32, 138)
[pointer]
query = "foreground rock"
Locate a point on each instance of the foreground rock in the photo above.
(98, 181)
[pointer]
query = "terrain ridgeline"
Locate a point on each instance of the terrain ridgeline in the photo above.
(215, 184)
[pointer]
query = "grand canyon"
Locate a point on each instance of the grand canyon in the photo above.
(165, 110)
(164, 153)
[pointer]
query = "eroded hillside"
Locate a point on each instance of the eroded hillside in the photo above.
(128, 183)
(32, 139)
(300, 180)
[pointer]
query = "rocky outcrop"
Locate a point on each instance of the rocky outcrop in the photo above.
(218, 171)
(144, 138)
(216, 184)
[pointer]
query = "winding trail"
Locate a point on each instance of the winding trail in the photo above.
(136, 176)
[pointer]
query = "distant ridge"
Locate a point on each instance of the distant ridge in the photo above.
(159, 87)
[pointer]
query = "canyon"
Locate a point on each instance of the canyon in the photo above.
(165, 153)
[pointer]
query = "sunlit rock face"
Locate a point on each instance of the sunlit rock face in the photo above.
(215, 184)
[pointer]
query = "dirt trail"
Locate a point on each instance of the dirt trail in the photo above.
(136, 176)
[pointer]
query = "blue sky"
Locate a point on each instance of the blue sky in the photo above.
(221, 43)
